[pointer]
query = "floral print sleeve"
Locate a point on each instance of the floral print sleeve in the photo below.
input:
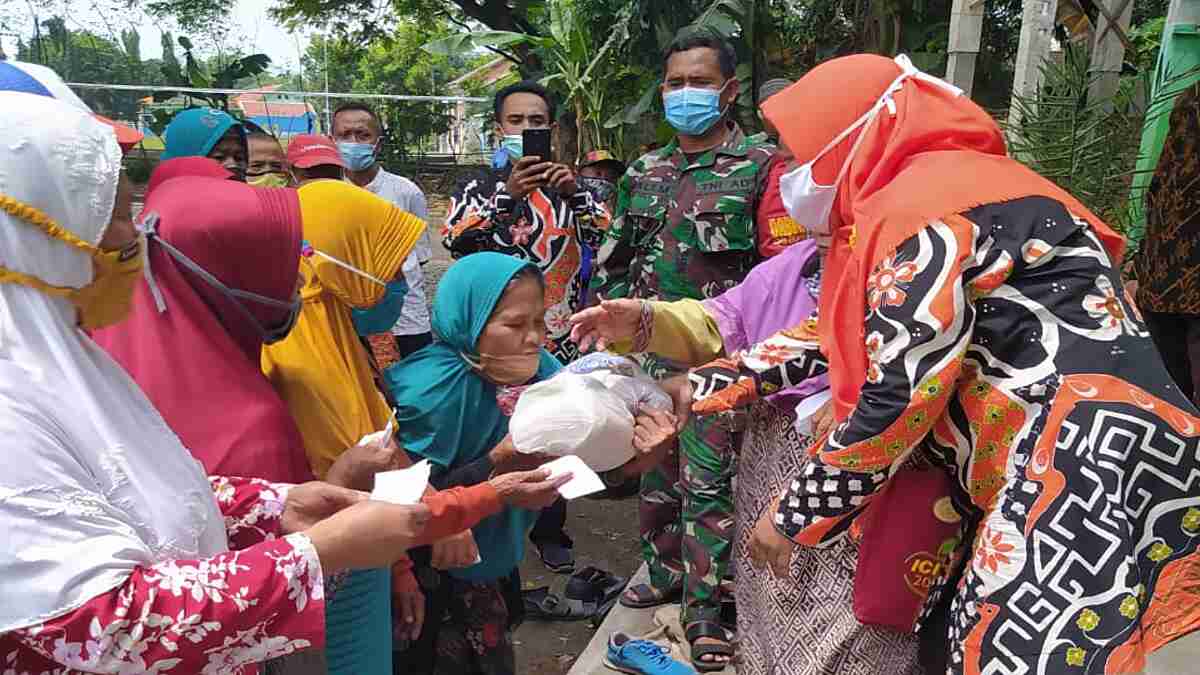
(252, 508)
(217, 616)
(919, 324)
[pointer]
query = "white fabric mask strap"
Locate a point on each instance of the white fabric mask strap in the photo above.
(349, 267)
(885, 99)
(866, 117)
(911, 71)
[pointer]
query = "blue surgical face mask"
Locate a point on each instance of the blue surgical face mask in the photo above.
(514, 144)
(358, 156)
(693, 111)
(385, 313)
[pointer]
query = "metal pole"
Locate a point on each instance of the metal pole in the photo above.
(328, 114)
(328, 94)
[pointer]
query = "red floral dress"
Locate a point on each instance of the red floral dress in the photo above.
(216, 616)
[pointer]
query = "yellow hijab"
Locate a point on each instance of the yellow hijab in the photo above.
(321, 369)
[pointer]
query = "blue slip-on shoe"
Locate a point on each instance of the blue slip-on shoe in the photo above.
(641, 657)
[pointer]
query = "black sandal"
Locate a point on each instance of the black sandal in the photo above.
(714, 631)
(646, 596)
(591, 589)
(542, 605)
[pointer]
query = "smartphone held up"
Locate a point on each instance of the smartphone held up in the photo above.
(536, 143)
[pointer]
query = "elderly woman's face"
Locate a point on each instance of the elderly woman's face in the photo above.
(230, 152)
(120, 232)
(518, 324)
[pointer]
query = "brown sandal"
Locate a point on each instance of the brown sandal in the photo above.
(645, 595)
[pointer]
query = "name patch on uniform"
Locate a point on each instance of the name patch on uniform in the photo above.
(654, 188)
(726, 185)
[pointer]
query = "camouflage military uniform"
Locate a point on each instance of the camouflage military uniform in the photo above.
(686, 229)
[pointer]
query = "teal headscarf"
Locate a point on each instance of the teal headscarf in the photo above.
(447, 413)
(195, 132)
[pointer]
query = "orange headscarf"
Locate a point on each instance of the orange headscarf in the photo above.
(938, 155)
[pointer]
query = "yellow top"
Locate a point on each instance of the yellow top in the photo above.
(321, 370)
(682, 331)
(685, 332)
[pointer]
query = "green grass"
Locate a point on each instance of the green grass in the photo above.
(152, 143)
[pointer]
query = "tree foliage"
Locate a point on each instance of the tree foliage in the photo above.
(396, 65)
(220, 72)
(1088, 147)
(84, 56)
(193, 16)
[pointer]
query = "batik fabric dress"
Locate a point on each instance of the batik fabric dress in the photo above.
(1002, 338)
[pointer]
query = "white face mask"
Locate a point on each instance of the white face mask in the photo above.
(808, 202)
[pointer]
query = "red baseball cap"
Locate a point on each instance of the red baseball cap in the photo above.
(127, 136)
(308, 150)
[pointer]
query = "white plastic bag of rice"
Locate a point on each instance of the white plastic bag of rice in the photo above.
(572, 414)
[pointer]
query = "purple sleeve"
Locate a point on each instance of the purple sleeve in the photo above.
(725, 311)
(774, 296)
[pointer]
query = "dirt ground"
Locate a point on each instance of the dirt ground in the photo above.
(605, 534)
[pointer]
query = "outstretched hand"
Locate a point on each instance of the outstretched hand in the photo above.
(823, 420)
(679, 388)
(529, 489)
(309, 503)
(654, 428)
(368, 534)
(653, 432)
(610, 321)
(454, 552)
(357, 466)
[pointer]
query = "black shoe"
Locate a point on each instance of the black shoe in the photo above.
(556, 557)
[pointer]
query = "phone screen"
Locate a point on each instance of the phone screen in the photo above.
(536, 143)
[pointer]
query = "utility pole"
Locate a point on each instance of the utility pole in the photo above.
(1108, 49)
(1037, 33)
(966, 30)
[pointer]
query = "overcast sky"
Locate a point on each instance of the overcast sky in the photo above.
(255, 31)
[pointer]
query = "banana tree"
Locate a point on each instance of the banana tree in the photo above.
(194, 75)
(582, 71)
(576, 64)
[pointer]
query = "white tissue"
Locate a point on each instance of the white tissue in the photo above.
(583, 481)
(404, 486)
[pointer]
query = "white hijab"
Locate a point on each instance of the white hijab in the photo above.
(92, 482)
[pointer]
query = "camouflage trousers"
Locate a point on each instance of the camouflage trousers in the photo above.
(686, 516)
